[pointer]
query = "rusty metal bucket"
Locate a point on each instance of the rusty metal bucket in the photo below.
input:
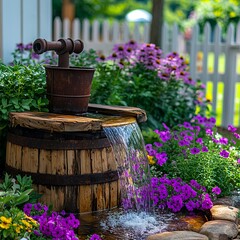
(68, 89)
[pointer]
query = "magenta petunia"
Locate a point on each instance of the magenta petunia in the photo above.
(224, 153)
(216, 190)
(95, 237)
(231, 128)
(204, 149)
(194, 150)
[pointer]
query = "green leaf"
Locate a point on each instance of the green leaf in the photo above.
(4, 102)
(14, 101)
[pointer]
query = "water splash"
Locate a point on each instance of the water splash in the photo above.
(135, 225)
(133, 168)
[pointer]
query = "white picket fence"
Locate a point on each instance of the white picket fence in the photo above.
(200, 49)
(22, 21)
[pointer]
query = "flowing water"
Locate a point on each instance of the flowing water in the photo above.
(131, 159)
(134, 220)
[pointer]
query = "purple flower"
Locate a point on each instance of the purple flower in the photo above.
(199, 140)
(38, 207)
(28, 47)
(187, 124)
(158, 144)
(152, 152)
(35, 56)
(204, 149)
(27, 208)
(175, 203)
(224, 153)
(212, 120)
(177, 186)
(182, 143)
(209, 132)
(195, 184)
(57, 232)
(223, 141)
(190, 205)
(194, 150)
(238, 161)
(148, 147)
(95, 237)
(163, 192)
(20, 47)
(187, 192)
(216, 190)
(236, 135)
(165, 126)
(231, 128)
(207, 203)
(165, 136)
(70, 235)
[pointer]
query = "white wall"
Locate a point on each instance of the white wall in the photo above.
(22, 21)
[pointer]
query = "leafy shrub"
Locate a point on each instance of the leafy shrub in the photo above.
(194, 150)
(138, 75)
(13, 194)
(22, 88)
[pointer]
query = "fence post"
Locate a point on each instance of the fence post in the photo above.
(23, 22)
(11, 27)
(229, 79)
(215, 80)
(205, 47)
(193, 52)
(165, 39)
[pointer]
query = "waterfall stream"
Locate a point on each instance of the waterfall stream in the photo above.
(134, 220)
(133, 168)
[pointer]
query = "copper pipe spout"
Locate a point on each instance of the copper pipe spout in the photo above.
(63, 47)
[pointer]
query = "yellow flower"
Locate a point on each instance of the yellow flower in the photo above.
(5, 222)
(31, 220)
(26, 223)
(4, 225)
(18, 229)
(150, 160)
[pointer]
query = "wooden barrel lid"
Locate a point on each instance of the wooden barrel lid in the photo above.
(71, 123)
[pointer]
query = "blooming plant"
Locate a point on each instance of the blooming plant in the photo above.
(52, 225)
(14, 192)
(194, 150)
(14, 224)
(174, 194)
(139, 75)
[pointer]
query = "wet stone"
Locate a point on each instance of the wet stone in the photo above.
(224, 212)
(178, 235)
(224, 201)
(219, 230)
(194, 223)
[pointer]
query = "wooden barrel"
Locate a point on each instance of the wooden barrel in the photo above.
(68, 157)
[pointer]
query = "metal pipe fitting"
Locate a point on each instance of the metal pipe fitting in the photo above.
(63, 47)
